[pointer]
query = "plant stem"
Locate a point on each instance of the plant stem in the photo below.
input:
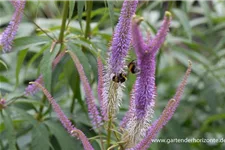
(157, 65)
(88, 19)
(63, 24)
(109, 131)
(72, 104)
(39, 116)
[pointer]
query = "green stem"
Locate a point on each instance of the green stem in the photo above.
(63, 24)
(109, 131)
(171, 3)
(39, 116)
(72, 104)
(157, 65)
(88, 19)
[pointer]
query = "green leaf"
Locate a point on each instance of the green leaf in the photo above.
(64, 139)
(3, 79)
(211, 119)
(111, 12)
(80, 7)
(26, 42)
(74, 83)
(46, 66)
(71, 6)
(10, 133)
(82, 58)
(4, 64)
(21, 56)
(206, 9)
(87, 44)
(183, 18)
(37, 55)
(40, 138)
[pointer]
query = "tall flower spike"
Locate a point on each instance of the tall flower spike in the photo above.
(9, 33)
(100, 83)
(160, 37)
(165, 116)
(122, 37)
(64, 120)
(112, 91)
(145, 83)
(93, 111)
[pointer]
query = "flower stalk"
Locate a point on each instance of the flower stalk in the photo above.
(63, 24)
(88, 19)
(73, 131)
(93, 111)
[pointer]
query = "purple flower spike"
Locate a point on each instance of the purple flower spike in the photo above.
(112, 91)
(122, 37)
(145, 84)
(160, 37)
(9, 33)
(64, 120)
(100, 83)
(93, 111)
(32, 88)
(165, 116)
(144, 93)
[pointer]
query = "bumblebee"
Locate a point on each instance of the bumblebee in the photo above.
(119, 78)
(133, 67)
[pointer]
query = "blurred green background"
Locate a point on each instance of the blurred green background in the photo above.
(197, 33)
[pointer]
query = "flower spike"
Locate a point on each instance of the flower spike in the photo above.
(160, 37)
(165, 116)
(122, 37)
(144, 93)
(6, 38)
(100, 83)
(114, 77)
(63, 119)
(93, 111)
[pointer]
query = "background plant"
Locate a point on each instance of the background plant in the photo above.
(197, 33)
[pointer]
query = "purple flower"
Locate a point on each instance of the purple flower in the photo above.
(144, 93)
(165, 116)
(64, 120)
(93, 111)
(122, 37)
(33, 88)
(9, 33)
(145, 84)
(112, 91)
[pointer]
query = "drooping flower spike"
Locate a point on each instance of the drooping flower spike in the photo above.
(100, 83)
(92, 109)
(165, 116)
(73, 131)
(144, 93)
(8, 35)
(32, 89)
